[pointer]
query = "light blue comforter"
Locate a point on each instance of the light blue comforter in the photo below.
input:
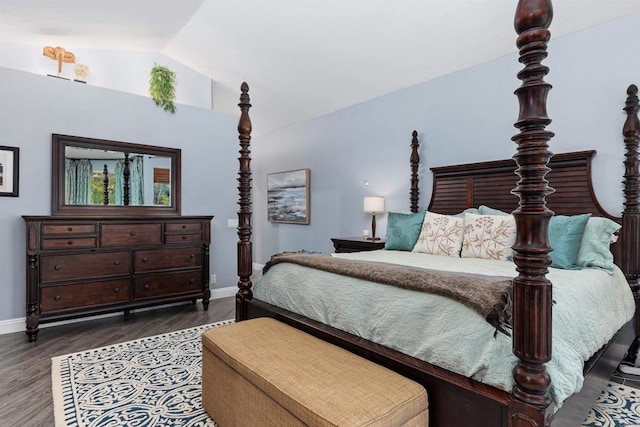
(590, 307)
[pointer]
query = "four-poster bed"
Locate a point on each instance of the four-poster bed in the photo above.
(457, 399)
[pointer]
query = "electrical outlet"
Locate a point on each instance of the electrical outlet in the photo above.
(213, 279)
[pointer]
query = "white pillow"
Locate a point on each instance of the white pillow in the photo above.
(488, 236)
(440, 235)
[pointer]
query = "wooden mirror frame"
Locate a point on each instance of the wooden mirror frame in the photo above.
(58, 207)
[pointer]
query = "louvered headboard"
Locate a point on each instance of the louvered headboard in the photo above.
(458, 187)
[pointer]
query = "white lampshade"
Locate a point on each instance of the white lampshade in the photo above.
(374, 204)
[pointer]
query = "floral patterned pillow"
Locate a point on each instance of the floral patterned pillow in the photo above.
(440, 235)
(488, 236)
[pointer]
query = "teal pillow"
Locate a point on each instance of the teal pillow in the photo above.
(403, 230)
(595, 249)
(565, 237)
(486, 210)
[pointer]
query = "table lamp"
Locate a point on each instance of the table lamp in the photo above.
(373, 205)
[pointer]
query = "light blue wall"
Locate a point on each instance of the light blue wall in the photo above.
(32, 107)
(463, 117)
(114, 69)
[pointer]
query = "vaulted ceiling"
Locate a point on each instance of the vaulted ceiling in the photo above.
(302, 58)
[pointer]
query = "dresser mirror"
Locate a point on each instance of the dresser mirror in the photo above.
(100, 177)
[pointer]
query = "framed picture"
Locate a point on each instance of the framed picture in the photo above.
(9, 163)
(288, 196)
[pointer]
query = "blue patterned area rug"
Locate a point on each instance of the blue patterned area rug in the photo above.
(155, 381)
(617, 406)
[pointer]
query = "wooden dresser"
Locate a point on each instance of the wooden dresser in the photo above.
(81, 266)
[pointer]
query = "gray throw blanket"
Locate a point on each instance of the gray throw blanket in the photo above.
(490, 296)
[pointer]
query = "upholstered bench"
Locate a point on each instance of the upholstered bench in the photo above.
(262, 372)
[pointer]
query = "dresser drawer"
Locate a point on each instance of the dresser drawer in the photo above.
(158, 259)
(130, 234)
(81, 266)
(68, 229)
(69, 243)
(168, 284)
(183, 226)
(86, 294)
(183, 238)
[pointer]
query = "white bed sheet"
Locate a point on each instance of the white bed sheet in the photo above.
(590, 306)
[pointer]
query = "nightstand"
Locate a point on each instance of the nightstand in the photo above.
(356, 244)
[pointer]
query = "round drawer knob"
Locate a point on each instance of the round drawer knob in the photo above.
(192, 280)
(184, 226)
(57, 267)
(116, 290)
(132, 233)
(57, 297)
(145, 259)
(116, 262)
(70, 229)
(147, 286)
(184, 237)
(191, 256)
(70, 242)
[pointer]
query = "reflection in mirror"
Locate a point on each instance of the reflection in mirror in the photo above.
(94, 176)
(107, 177)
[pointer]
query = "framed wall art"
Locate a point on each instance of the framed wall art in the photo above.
(288, 196)
(9, 165)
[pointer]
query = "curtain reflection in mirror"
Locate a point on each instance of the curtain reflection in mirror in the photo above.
(119, 173)
(136, 187)
(78, 181)
(136, 181)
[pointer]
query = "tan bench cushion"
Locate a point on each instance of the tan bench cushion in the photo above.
(317, 382)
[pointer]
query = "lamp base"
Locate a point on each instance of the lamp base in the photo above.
(372, 238)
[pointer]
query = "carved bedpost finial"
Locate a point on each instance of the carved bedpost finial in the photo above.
(244, 124)
(631, 212)
(415, 162)
(245, 255)
(533, 14)
(532, 299)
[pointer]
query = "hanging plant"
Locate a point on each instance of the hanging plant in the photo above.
(162, 87)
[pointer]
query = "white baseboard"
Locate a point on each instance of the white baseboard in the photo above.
(229, 291)
(10, 326)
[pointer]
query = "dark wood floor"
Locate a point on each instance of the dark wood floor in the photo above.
(25, 368)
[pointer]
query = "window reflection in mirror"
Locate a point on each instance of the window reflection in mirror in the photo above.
(107, 177)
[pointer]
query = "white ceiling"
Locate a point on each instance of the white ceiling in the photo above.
(302, 58)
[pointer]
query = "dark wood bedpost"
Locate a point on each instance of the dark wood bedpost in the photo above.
(245, 260)
(415, 162)
(126, 176)
(530, 404)
(631, 212)
(105, 185)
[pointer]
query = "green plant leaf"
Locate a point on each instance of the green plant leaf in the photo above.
(162, 87)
